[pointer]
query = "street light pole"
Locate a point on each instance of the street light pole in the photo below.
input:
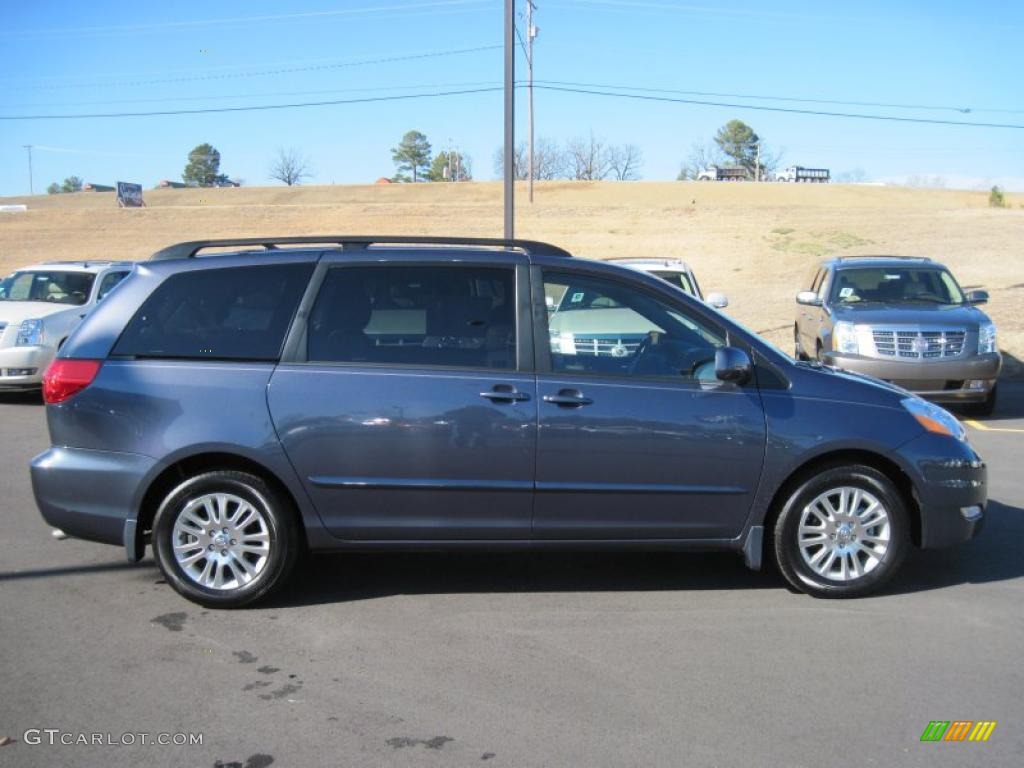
(31, 189)
(510, 74)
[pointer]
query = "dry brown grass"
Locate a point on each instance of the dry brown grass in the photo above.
(755, 242)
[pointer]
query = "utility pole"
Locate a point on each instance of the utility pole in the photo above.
(757, 162)
(510, 107)
(31, 189)
(531, 33)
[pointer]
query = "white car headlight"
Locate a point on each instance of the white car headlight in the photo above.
(934, 419)
(30, 334)
(986, 338)
(844, 338)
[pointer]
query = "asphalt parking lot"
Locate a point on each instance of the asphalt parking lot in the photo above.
(512, 660)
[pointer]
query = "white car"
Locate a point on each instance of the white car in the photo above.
(676, 272)
(39, 308)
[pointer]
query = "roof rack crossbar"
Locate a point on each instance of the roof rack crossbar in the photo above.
(189, 250)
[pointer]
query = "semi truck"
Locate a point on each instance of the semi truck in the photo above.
(797, 173)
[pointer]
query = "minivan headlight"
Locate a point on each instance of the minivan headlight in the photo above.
(30, 333)
(844, 338)
(986, 338)
(933, 418)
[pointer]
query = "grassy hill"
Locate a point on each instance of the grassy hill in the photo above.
(754, 242)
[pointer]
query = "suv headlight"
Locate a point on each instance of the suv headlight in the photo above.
(30, 334)
(986, 338)
(934, 419)
(844, 338)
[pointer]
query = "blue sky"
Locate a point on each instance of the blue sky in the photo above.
(105, 56)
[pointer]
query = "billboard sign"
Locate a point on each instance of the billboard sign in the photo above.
(129, 195)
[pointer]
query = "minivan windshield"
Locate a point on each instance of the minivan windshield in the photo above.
(58, 287)
(895, 285)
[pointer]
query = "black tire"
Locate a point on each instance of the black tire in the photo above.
(786, 550)
(279, 527)
(985, 407)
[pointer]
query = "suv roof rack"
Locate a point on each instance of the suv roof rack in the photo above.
(883, 258)
(88, 262)
(191, 249)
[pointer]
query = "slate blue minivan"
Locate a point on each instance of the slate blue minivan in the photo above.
(236, 403)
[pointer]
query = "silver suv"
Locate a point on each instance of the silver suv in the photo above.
(673, 271)
(902, 319)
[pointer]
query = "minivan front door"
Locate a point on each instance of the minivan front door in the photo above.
(637, 439)
(410, 418)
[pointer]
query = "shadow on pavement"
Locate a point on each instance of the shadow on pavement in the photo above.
(993, 556)
(70, 570)
(344, 577)
(21, 397)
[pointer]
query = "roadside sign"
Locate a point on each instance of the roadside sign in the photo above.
(129, 195)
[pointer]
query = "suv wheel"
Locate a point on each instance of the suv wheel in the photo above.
(224, 539)
(842, 533)
(985, 407)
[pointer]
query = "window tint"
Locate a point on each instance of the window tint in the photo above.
(108, 282)
(605, 327)
(57, 287)
(241, 313)
(430, 316)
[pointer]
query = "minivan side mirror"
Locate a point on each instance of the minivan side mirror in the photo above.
(718, 300)
(733, 365)
(808, 298)
(977, 297)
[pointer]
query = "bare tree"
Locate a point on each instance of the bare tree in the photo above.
(587, 159)
(548, 160)
(520, 164)
(771, 160)
(290, 166)
(702, 154)
(625, 161)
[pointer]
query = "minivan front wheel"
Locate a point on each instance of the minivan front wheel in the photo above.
(842, 533)
(224, 539)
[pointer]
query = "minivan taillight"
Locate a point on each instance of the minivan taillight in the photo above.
(65, 378)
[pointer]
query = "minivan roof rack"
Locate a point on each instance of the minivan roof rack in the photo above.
(191, 249)
(883, 258)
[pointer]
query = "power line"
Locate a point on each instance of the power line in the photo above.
(761, 108)
(797, 99)
(317, 15)
(256, 108)
(264, 94)
(490, 89)
(279, 71)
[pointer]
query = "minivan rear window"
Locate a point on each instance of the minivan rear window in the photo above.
(235, 313)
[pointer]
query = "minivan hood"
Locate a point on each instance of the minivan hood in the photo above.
(847, 386)
(892, 315)
(13, 312)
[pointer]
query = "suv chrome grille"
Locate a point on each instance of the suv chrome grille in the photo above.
(919, 345)
(606, 347)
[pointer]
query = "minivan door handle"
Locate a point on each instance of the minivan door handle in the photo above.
(505, 393)
(568, 398)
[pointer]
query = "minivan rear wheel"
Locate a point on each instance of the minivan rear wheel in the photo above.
(225, 539)
(842, 533)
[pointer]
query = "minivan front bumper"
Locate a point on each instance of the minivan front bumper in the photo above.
(951, 489)
(966, 380)
(89, 494)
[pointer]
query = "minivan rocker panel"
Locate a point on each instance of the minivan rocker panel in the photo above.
(429, 407)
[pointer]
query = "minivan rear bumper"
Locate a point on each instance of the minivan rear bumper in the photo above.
(89, 494)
